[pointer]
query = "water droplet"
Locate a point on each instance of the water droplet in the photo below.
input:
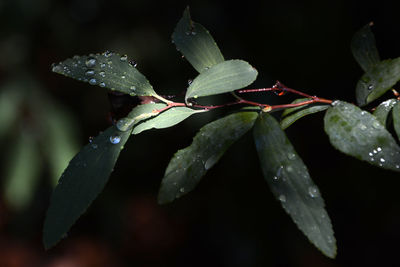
(291, 156)
(182, 190)
(374, 151)
(282, 198)
(124, 58)
(89, 73)
(102, 65)
(102, 84)
(379, 149)
(123, 77)
(397, 166)
(133, 88)
(108, 53)
(56, 68)
(313, 191)
(363, 127)
(370, 154)
(376, 125)
(190, 82)
(115, 139)
(382, 160)
(102, 74)
(93, 81)
(90, 62)
(133, 63)
(335, 103)
(370, 87)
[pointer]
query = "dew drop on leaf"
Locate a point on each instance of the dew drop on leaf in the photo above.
(124, 58)
(102, 84)
(282, 198)
(313, 191)
(89, 73)
(93, 81)
(115, 139)
(90, 62)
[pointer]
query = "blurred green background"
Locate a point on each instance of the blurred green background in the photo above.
(231, 219)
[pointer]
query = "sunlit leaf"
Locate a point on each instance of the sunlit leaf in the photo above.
(382, 111)
(166, 119)
(138, 114)
(359, 134)
(396, 119)
(222, 78)
(363, 47)
(377, 81)
(108, 70)
(196, 43)
(290, 182)
(190, 164)
(22, 172)
(81, 182)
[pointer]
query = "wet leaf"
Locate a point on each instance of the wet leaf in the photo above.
(138, 114)
(166, 119)
(301, 112)
(81, 182)
(396, 119)
(382, 111)
(224, 77)
(290, 182)
(359, 134)
(108, 70)
(377, 81)
(363, 47)
(190, 164)
(196, 44)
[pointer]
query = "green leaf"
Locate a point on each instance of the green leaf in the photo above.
(396, 119)
(108, 70)
(359, 134)
(363, 47)
(190, 164)
(224, 77)
(382, 111)
(196, 43)
(378, 81)
(22, 172)
(84, 178)
(166, 119)
(301, 112)
(290, 182)
(138, 114)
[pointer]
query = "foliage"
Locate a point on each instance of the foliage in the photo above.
(351, 130)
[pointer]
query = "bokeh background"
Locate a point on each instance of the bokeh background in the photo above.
(231, 219)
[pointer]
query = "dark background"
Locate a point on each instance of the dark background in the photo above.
(231, 219)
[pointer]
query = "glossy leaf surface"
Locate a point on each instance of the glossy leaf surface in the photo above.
(81, 182)
(359, 134)
(396, 119)
(363, 47)
(108, 70)
(190, 164)
(222, 78)
(138, 114)
(382, 111)
(290, 182)
(196, 44)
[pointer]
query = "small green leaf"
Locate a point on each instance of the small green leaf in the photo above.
(377, 81)
(382, 111)
(224, 77)
(359, 134)
(166, 119)
(196, 43)
(81, 182)
(363, 47)
(190, 164)
(290, 182)
(301, 112)
(138, 114)
(396, 119)
(108, 70)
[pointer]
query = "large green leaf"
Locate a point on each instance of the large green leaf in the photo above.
(84, 178)
(377, 81)
(359, 134)
(196, 43)
(138, 114)
(396, 119)
(301, 112)
(363, 47)
(382, 111)
(166, 119)
(190, 164)
(108, 70)
(222, 78)
(290, 182)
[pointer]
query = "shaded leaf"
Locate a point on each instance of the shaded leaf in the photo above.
(382, 111)
(138, 114)
(377, 81)
(287, 111)
(363, 47)
(190, 164)
(396, 119)
(359, 134)
(166, 119)
(108, 70)
(196, 43)
(290, 182)
(81, 182)
(222, 78)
